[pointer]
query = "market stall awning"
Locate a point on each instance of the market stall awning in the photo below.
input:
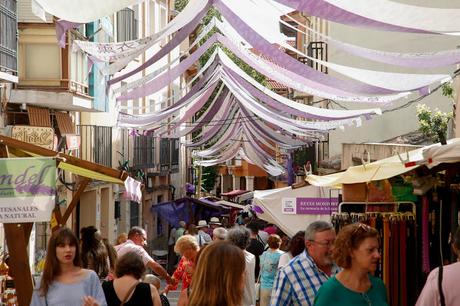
(234, 193)
(378, 170)
(89, 173)
(217, 201)
(231, 204)
(188, 209)
(268, 205)
(430, 156)
(437, 154)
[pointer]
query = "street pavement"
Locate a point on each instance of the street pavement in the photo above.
(173, 295)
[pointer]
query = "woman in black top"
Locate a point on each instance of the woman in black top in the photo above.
(127, 288)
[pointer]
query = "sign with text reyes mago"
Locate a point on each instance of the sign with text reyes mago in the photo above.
(309, 206)
(27, 189)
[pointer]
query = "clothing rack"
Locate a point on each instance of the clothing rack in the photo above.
(398, 248)
(367, 205)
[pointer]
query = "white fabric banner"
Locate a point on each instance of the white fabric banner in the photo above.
(82, 11)
(339, 114)
(429, 19)
(141, 81)
(390, 80)
(123, 52)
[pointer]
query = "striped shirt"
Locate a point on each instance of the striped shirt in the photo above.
(298, 282)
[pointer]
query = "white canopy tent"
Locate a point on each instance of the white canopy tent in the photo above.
(273, 204)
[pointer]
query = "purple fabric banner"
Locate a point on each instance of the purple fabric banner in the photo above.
(288, 62)
(210, 113)
(322, 9)
(299, 82)
(62, 26)
(282, 107)
(182, 34)
(309, 206)
(189, 113)
(412, 60)
(167, 77)
(229, 115)
(145, 119)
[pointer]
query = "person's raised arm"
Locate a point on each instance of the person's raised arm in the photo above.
(157, 268)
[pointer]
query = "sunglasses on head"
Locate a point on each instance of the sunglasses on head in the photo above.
(362, 226)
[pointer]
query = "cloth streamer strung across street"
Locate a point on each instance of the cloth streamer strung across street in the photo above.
(383, 15)
(420, 60)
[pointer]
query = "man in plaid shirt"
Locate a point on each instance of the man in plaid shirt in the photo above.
(298, 282)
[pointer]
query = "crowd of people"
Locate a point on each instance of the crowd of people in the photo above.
(239, 266)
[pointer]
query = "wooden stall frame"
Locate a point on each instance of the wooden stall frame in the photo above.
(18, 234)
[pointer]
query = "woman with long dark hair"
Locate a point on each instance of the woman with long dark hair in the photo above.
(64, 282)
(94, 254)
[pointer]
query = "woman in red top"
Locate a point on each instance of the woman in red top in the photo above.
(188, 248)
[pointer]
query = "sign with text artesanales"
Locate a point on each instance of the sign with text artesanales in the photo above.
(309, 206)
(27, 189)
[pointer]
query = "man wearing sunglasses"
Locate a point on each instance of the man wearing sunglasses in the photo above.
(298, 282)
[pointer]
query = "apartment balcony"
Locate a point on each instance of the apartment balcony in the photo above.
(318, 50)
(49, 76)
(154, 156)
(165, 155)
(96, 144)
(144, 152)
(8, 41)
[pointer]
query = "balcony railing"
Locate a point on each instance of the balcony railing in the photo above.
(96, 144)
(318, 50)
(8, 37)
(144, 152)
(46, 65)
(158, 156)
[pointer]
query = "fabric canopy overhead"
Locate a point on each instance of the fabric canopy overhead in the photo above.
(429, 19)
(397, 82)
(382, 15)
(121, 53)
(270, 202)
(83, 11)
(419, 60)
(390, 80)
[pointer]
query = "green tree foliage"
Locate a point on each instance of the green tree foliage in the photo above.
(180, 4)
(447, 90)
(209, 178)
(433, 124)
